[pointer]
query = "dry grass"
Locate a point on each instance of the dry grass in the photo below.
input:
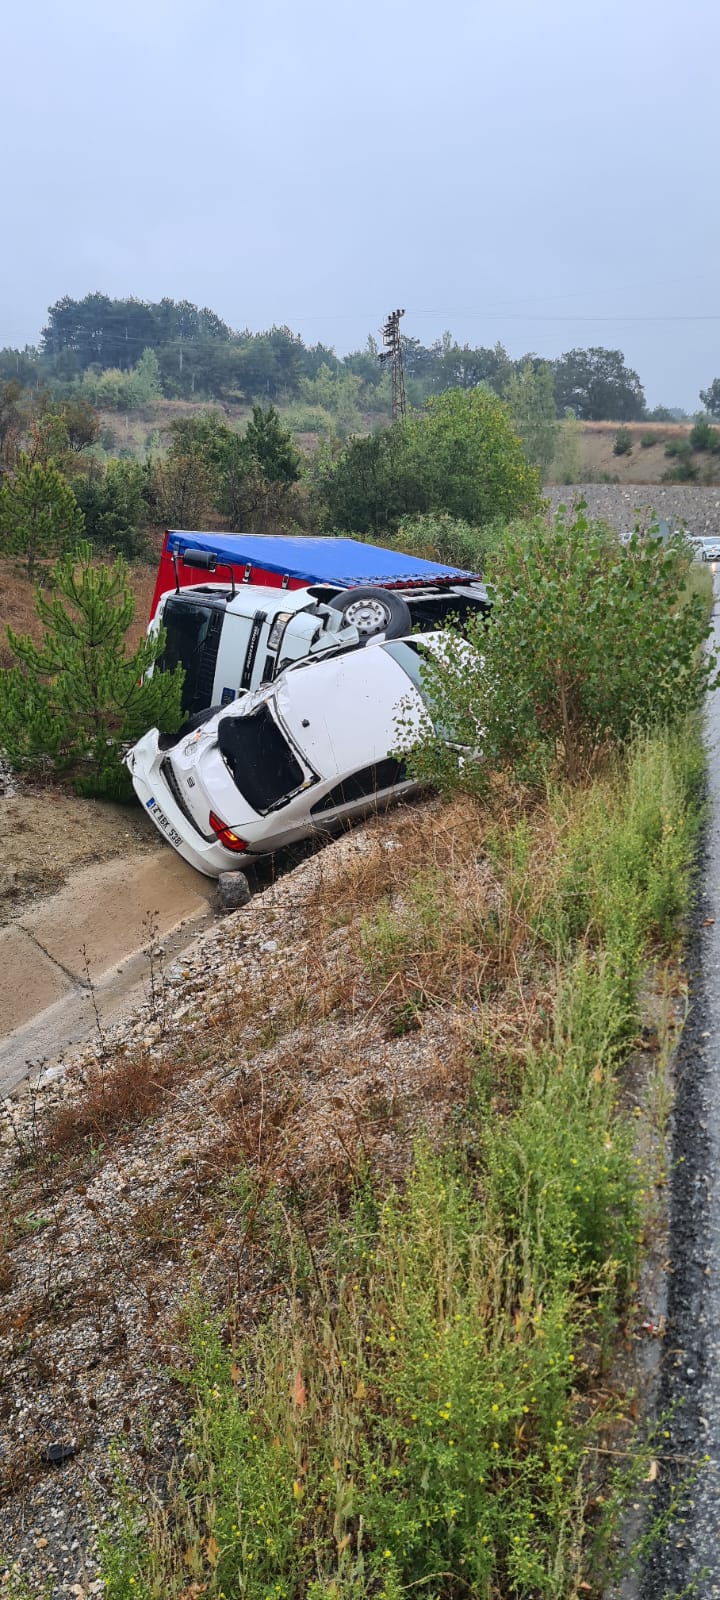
(595, 442)
(442, 919)
(114, 1099)
(407, 952)
(404, 960)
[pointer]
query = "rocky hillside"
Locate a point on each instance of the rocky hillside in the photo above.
(623, 505)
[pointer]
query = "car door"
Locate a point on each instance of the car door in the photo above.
(359, 793)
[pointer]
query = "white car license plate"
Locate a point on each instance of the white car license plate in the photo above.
(163, 822)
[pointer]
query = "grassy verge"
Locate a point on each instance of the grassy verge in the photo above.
(420, 1409)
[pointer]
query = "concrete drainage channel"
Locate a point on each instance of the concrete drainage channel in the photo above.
(84, 952)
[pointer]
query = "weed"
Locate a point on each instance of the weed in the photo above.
(114, 1099)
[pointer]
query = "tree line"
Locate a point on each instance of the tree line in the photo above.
(97, 344)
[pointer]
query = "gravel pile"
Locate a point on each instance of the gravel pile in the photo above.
(684, 505)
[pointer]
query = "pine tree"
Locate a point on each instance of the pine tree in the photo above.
(271, 447)
(70, 704)
(39, 515)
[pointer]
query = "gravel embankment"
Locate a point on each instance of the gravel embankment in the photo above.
(103, 1242)
(622, 506)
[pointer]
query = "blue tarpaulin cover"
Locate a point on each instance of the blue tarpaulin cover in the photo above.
(316, 559)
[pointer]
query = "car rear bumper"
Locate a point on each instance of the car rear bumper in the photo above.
(144, 763)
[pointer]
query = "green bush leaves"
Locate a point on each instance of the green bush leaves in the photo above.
(589, 641)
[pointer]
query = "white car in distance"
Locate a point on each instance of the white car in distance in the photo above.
(289, 760)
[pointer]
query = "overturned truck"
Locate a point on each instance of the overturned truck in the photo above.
(279, 598)
(271, 752)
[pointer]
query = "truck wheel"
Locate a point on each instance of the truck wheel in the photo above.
(233, 891)
(374, 611)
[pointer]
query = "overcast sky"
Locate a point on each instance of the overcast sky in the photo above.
(541, 172)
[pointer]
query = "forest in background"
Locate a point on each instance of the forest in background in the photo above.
(103, 348)
(132, 415)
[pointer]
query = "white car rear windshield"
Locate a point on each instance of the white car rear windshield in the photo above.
(263, 765)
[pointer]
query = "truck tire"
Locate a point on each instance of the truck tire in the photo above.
(374, 611)
(233, 891)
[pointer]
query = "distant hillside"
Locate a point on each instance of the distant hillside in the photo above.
(590, 456)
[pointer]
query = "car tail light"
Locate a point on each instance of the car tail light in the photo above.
(231, 840)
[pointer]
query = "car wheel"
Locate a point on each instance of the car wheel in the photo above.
(233, 891)
(374, 611)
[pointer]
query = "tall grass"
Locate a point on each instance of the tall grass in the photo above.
(419, 1413)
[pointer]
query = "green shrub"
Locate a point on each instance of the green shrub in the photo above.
(623, 442)
(684, 471)
(647, 440)
(115, 507)
(567, 465)
(301, 418)
(677, 447)
(68, 705)
(703, 437)
(440, 537)
(458, 455)
(587, 643)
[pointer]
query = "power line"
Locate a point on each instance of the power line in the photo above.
(541, 316)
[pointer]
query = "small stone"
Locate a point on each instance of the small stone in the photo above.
(55, 1454)
(233, 891)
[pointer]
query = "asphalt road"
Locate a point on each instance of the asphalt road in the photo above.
(685, 1557)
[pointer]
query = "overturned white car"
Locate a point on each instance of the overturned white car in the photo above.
(295, 757)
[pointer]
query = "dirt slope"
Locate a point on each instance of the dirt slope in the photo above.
(646, 462)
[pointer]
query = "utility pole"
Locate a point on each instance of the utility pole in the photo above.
(393, 354)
